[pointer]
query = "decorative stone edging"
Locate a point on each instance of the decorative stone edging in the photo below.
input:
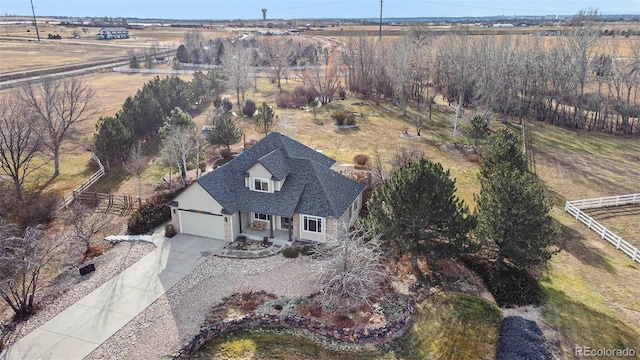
(275, 321)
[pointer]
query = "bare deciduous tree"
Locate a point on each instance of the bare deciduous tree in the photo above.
(61, 105)
(20, 142)
(350, 269)
(86, 226)
(325, 80)
(236, 64)
(178, 146)
(135, 165)
(275, 52)
(25, 254)
(404, 156)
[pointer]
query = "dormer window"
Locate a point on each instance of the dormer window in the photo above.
(261, 184)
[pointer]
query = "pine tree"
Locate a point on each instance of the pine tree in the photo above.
(224, 132)
(512, 209)
(265, 120)
(417, 212)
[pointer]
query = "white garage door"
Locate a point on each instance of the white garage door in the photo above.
(206, 225)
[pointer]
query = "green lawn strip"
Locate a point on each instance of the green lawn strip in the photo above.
(264, 344)
(453, 326)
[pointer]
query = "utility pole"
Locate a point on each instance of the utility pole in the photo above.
(34, 21)
(380, 31)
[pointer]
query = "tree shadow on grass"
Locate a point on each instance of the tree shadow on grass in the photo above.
(576, 244)
(585, 326)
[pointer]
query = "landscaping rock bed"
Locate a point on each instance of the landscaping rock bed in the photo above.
(286, 317)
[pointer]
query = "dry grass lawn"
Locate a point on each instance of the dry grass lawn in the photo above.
(592, 292)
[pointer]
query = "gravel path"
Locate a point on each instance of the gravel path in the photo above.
(72, 287)
(175, 317)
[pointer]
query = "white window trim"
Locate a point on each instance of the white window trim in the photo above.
(254, 215)
(311, 217)
(261, 181)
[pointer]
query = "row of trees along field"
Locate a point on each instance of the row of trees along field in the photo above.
(143, 114)
(576, 79)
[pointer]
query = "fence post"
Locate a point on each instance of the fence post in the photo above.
(604, 231)
(635, 253)
(618, 243)
(590, 222)
(617, 200)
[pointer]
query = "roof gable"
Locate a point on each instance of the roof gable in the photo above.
(310, 187)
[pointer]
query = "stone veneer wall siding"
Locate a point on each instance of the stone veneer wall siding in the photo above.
(274, 321)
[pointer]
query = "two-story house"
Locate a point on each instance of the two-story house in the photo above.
(278, 188)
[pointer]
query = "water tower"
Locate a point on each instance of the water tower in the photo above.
(264, 14)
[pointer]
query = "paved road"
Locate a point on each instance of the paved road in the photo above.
(81, 328)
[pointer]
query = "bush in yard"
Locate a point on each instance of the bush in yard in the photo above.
(343, 117)
(249, 108)
(342, 93)
(227, 105)
(291, 252)
(339, 117)
(304, 94)
(33, 209)
(299, 97)
(307, 250)
(361, 161)
(148, 217)
(351, 119)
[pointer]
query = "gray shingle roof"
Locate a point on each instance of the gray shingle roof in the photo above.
(310, 187)
(276, 163)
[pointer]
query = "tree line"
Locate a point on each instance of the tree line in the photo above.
(143, 114)
(576, 79)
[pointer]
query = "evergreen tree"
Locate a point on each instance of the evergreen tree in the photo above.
(265, 119)
(512, 209)
(224, 132)
(112, 139)
(504, 148)
(478, 128)
(417, 212)
(513, 212)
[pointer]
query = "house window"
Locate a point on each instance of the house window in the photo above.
(312, 224)
(285, 222)
(263, 217)
(261, 185)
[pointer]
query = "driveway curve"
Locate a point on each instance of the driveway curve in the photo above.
(84, 326)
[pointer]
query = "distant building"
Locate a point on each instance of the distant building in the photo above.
(503, 25)
(113, 33)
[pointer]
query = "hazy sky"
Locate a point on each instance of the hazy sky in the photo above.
(283, 9)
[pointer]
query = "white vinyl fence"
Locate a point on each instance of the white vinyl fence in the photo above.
(575, 209)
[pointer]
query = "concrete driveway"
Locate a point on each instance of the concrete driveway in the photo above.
(81, 328)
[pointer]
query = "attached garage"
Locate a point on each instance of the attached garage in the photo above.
(202, 224)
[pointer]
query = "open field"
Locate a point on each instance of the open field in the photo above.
(624, 221)
(19, 50)
(592, 293)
